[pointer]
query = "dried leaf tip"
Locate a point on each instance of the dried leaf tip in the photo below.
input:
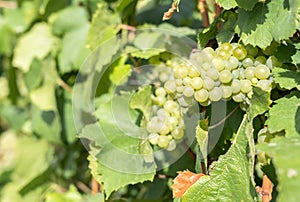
(168, 15)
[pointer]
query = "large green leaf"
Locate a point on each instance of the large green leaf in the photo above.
(230, 177)
(286, 78)
(227, 4)
(284, 115)
(285, 152)
(267, 21)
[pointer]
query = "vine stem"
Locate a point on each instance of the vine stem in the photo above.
(64, 85)
(95, 187)
(127, 27)
(83, 187)
(202, 6)
(8, 4)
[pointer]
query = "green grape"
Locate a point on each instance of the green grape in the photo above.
(172, 145)
(160, 92)
(181, 71)
(246, 86)
(249, 73)
(208, 83)
(247, 62)
(253, 51)
(206, 103)
(240, 97)
(240, 52)
(179, 82)
(235, 86)
(187, 81)
(232, 63)
(260, 60)
(153, 137)
(173, 121)
(193, 72)
(254, 80)
(185, 101)
(225, 76)
(206, 66)
(262, 72)
(227, 91)
(270, 50)
(215, 94)
(177, 133)
(196, 83)
(159, 100)
(265, 85)
(180, 89)
(164, 130)
(201, 95)
(188, 91)
(163, 141)
(212, 73)
(218, 63)
(163, 77)
(170, 106)
(208, 54)
(224, 54)
(227, 47)
(235, 74)
(242, 73)
(170, 86)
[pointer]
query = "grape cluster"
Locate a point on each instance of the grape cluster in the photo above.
(166, 125)
(229, 72)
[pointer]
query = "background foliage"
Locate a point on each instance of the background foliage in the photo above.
(43, 43)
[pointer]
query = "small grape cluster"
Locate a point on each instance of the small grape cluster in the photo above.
(229, 72)
(166, 126)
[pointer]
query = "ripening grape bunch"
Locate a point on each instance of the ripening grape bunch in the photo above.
(229, 72)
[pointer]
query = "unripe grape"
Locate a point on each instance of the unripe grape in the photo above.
(206, 66)
(179, 82)
(254, 80)
(173, 121)
(159, 100)
(208, 83)
(235, 86)
(252, 50)
(177, 133)
(240, 52)
(163, 141)
(262, 72)
(249, 73)
(246, 86)
(225, 76)
(180, 89)
(181, 71)
(201, 95)
(226, 46)
(212, 73)
(224, 54)
(215, 94)
(247, 62)
(153, 137)
(260, 60)
(270, 50)
(235, 73)
(197, 83)
(170, 106)
(227, 91)
(170, 86)
(172, 145)
(188, 91)
(187, 81)
(185, 101)
(240, 97)
(164, 130)
(233, 63)
(193, 72)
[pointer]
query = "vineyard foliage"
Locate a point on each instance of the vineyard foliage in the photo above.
(109, 100)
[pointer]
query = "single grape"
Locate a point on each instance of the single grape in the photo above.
(187, 81)
(260, 60)
(254, 80)
(193, 72)
(240, 97)
(232, 63)
(185, 101)
(240, 52)
(188, 91)
(177, 133)
(163, 141)
(246, 86)
(180, 89)
(227, 91)
(218, 63)
(208, 83)
(249, 72)
(206, 66)
(225, 76)
(153, 137)
(212, 73)
(270, 50)
(247, 62)
(215, 94)
(226, 46)
(242, 73)
(235, 86)
(265, 85)
(170, 106)
(164, 129)
(196, 83)
(160, 92)
(173, 121)
(179, 82)
(224, 54)
(159, 100)
(181, 71)
(170, 86)
(201, 95)
(235, 74)
(172, 145)
(262, 72)
(252, 50)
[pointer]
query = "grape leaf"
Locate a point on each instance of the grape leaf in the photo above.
(284, 152)
(229, 179)
(286, 78)
(140, 100)
(227, 31)
(144, 54)
(41, 43)
(202, 139)
(121, 71)
(267, 21)
(245, 4)
(227, 4)
(296, 56)
(284, 115)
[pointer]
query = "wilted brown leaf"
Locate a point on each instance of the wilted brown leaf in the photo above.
(168, 15)
(265, 191)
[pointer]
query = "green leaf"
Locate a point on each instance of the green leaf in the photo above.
(72, 195)
(37, 43)
(104, 26)
(14, 116)
(284, 153)
(245, 4)
(284, 115)
(202, 138)
(44, 98)
(69, 19)
(267, 21)
(121, 71)
(286, 78)
(227, 31)
(149, 40)
(71, 57)
(144, 54)
(296, 56)
(140, 100)
(208, 33)
(227, 4)
(229, 179)
(260, 102)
